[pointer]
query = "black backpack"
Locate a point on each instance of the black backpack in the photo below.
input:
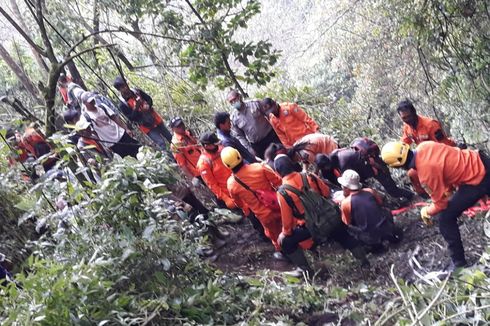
(322, 216)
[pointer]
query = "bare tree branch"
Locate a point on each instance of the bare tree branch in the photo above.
(22, 32)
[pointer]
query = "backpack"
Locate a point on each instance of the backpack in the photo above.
(322, 215)
(266, 197)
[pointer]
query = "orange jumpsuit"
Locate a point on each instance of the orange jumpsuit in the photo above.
(426, 130)
(289, 222)
(215, 174)
(442, 167)
(292, 123)
(317, 144)
(186, 152)
(257, 177)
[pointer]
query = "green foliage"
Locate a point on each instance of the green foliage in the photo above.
(215, 44)
(120, 257)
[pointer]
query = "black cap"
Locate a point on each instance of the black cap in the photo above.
(284, 165)
(175, 122)
(208, 138)
(119, 82)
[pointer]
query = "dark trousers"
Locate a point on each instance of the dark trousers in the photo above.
(384, 177)
(465, 197)
(291, 242)
(301, 233)
(260, 146)
(126, 146)
(159, 135)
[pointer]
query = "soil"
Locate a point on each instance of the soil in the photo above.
(246, 254)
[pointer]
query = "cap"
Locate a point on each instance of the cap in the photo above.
(350, 179)
(88, 97)
(175, 122)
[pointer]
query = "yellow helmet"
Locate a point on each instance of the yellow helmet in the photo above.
(395, 153)
(230, 157)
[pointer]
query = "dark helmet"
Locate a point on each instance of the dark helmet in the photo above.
(208, 138)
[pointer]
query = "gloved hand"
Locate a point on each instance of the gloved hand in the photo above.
(230, 203)
(426, 218)
(196, 182)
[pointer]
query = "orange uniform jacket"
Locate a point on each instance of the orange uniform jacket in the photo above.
(289, 222)
(346, 205)
(186, 152)
(158, 119)
(426, 130)
(442, 167)
(214, 173)
(257, 177)
(292, 123)
(318, 144)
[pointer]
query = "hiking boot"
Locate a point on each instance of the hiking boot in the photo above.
(360, 254)
(205, 251)
(279, 256)
(298, 272)
(454, 265)
(298, 258)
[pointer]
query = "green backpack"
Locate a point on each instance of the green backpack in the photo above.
(322, 215)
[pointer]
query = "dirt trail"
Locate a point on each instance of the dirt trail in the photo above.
(246, 254)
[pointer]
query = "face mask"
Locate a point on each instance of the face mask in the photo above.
(237, 105)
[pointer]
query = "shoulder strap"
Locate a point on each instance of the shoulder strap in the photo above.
(306, 184)
(244, 185)
(289, 200)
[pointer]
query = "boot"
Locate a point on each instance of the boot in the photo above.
(360, 254)
(298, 258)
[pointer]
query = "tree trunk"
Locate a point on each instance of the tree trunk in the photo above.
(43, 67)
(24, 79)
(75, 74)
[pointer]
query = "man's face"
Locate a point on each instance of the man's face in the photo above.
(180, 129)
(225, 126)
(408, 117)
(274, 109)
(125, 91)
(235, 101)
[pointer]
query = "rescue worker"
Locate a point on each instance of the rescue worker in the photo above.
(70, 92)
(294, 235)
(441, 167)
(308, 147)
(185, 149)
(108, 126)
(137, 106)
(417, 129)
(223, 126)
(213, 172)
(344, 159)
(249, 124)
(83, 139)
(244, 183)
(363, 213)
(288, 120)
